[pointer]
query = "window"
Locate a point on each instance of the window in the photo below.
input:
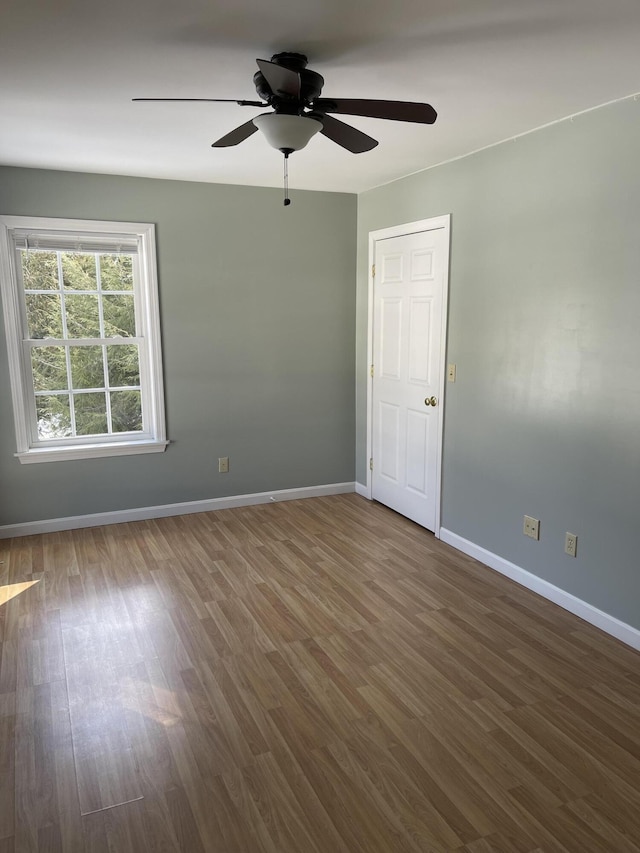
(83, 334)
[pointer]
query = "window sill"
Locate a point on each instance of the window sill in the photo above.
(89, 451)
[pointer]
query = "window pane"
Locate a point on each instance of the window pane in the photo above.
(116, 272)
(44, 315)
(91, 413)
(87, 368)
(83, 319)
(40, 270)
(119, 316)
(84, 337)
(49, 368)
(54, 418)
(126, 411)
(123, 365)
(79, 271)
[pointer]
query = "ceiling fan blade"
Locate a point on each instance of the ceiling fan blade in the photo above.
(208, 100)
(348, 137)
(281, 80)
(394, 110)
(235, 137)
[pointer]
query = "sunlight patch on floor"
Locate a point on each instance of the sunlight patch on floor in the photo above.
(163, 708)
(10, 590)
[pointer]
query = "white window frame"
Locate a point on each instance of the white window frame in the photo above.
(153, 437)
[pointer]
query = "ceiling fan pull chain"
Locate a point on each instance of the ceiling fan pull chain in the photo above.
(287, 200)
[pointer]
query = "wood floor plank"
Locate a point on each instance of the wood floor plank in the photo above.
(315, 814)
(240, 707)
(622, 809)
(240, 826)
(318, 675)
(183, 823)
(424, 824)
(104, 758)
(7, 764)
(597, 825)
(49, 839)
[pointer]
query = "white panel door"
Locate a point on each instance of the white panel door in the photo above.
(407, 372)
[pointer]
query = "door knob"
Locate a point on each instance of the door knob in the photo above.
(431, 401)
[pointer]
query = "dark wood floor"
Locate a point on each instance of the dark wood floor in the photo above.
(319, 676)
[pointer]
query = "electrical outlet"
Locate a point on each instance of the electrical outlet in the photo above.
(570, 544)
(223, 465)
(451, 373)
(531, 527)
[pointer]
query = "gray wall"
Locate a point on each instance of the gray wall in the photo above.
(258, 320)
(544, 418)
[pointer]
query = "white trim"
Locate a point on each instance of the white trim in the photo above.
(74, 522)
(432, 224)
(363, 491)
(607, 623)
(370, 283)
(90, 451)
(50, 223)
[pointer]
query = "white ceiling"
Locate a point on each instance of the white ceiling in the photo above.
(491, 68)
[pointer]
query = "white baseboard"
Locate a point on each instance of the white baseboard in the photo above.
(73, 522)
(363, 491)
(609, 624)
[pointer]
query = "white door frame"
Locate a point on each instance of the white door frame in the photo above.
(431, 224)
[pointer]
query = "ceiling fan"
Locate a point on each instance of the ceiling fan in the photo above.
(293, 92)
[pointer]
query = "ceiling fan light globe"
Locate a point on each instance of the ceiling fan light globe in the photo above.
(287, 132)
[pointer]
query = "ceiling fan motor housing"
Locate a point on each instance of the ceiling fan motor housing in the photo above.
(311, 84)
